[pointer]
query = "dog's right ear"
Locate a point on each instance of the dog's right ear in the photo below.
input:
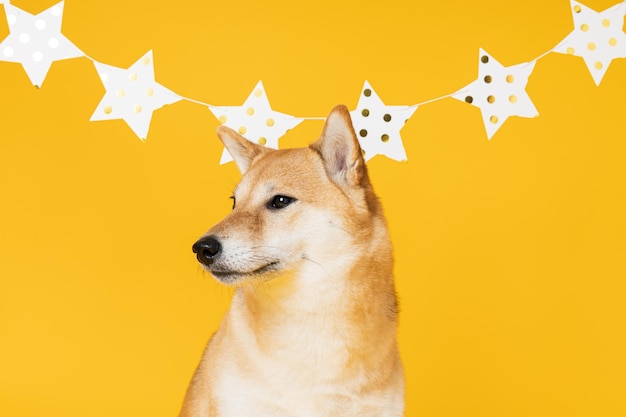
(340, 149)
(241, 149)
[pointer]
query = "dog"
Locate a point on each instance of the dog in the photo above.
(312, 325)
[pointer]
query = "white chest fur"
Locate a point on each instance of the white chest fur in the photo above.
(299, 366)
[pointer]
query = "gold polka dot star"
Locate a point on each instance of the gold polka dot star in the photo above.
(597, 37)
(499, 92)
(255, 120)
(377, 126)
(132, 94)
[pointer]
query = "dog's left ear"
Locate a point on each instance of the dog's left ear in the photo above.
(241, 149)
(340, 149)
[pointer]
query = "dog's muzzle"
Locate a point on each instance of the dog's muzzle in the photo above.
(207, 249)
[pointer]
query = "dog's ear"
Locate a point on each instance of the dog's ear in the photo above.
(241, 149)
(340, 149)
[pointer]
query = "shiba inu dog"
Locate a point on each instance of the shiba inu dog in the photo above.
(311, 329)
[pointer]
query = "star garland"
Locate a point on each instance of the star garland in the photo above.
(132, 95)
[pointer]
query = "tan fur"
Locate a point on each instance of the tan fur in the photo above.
(315, 334)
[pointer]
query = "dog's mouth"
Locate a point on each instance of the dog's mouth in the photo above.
(229, 276)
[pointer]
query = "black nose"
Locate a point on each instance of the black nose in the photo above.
(207, 249)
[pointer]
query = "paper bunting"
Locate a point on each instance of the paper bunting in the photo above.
(132, 94)
(35, 41)
(499, 92)
(255, 120)
(378, 126)
(597, 37)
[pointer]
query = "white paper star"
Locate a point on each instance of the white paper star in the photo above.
(378, 126)
(132, 94)
(499, 92)
(597, 37)
(35, 41)
(255, 120)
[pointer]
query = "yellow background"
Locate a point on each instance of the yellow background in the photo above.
(510, 252)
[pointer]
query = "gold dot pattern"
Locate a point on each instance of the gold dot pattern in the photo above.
(594, 36)
(255, 120)
(499, 92)
(377, 126)
(131, 95)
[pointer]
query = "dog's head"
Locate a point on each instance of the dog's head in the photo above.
(293, 208)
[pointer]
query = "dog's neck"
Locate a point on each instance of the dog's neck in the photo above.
(317, 316)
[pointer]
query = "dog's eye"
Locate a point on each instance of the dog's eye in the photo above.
(232, 197)
(280, 201)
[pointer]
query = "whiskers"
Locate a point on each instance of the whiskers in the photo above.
(337, 226)
(262, 259)
(270, 251)
(207, 277)
(316, 263)
(270, 257)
